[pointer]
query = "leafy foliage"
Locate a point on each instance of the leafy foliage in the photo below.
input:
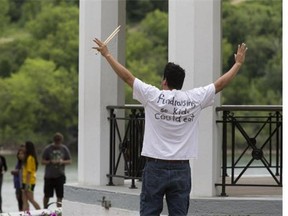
(39, 85)
(138, 9)
(146, 51)
(4, 7)
(259, 24)
(56, 30)
(38, 99)
(12, 55)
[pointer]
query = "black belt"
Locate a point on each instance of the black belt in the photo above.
(167, 161)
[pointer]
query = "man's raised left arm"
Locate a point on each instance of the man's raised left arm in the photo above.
(120, 70)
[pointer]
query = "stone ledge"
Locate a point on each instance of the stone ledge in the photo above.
(199, 206)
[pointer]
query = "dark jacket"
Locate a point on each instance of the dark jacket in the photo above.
(3, 165)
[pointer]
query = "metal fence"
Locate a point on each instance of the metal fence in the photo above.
(129, 142)
(252, 139)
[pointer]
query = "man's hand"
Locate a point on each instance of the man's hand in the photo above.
(241, 52)
(120, 70)
(54, 162)
(102, 48)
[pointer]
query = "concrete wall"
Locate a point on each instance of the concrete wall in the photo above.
(98, 86)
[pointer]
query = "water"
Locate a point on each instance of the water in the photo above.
(9, 202)
(256, 168)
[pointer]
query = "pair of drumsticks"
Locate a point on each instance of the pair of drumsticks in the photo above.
(111, 36)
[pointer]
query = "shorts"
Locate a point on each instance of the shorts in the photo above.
(57, 184)
(31, 188)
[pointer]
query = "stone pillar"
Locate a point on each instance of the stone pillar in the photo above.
(195, 44)
(98, 86)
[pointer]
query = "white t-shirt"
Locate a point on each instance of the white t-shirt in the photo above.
(171, 119)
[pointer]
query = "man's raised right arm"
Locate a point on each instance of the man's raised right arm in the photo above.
(119, 69)
(226, 78)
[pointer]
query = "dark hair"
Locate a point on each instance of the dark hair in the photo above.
(174, 76)
(58, 137)
(30, 150)
(20, 162)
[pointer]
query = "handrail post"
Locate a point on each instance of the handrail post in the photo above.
(133, 147)
(224, 153)
(277, 144)
(270, 120)
(112, 144)
(233, 151)
(281, 147)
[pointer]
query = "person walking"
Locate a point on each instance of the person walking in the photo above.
(17, 176)
(55, 157)
(29, 170)
(3, 169)
(171, 130)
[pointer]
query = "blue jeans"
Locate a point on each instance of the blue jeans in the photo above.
(165, 178)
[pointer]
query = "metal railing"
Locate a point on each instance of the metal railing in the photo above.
(255, 134)
(129, 142)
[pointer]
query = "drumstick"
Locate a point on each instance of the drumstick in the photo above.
(112, 35)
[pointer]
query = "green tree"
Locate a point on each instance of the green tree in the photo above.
(56, 31)
(138, 9)
(38, 100)
(12, 55)
(15, 10)
(259, 24)
(38, 72)
(146, 51)
(4, 8)
(22, 11)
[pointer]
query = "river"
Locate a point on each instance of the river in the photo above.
(9, 202)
